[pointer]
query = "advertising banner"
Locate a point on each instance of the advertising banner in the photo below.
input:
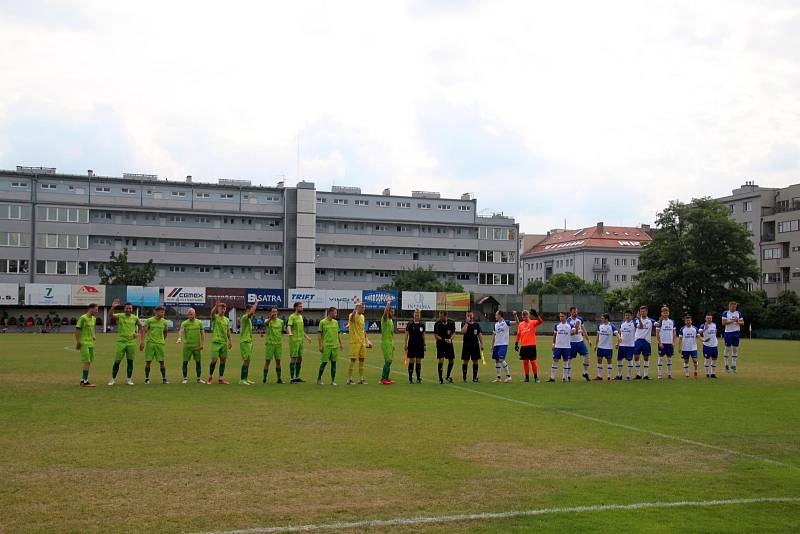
(47, 294)
(145, 297)
(184, 295)
(85, 294)
(376, 299)
(233, 297)
(401, 326)
(266, 298)
(9, 294)
(342, 299)
(312, 299)
(373, 326)
(116, 292)
(424, 300)
(452, 301)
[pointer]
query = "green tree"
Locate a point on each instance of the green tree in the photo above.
(421, 279)
(784, 312)
(570, 284)
(533, 287)
(117, 271)
(698, 258)
(619, 299)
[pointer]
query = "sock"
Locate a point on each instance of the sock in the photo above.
(475, 371)
(568, 369)
(506, 369)
(212, 367)
(553, 370)
(278, 370)
(333, 371)
(129, 369)
(439, 368)
(361, 366)
(600, 370)
(726, 354)
(647, 368)
(464, 371)
(221, 369)
(497, 367)
(297, 368)
(535, 367)
(387, 369)
(146, 372)
(734, 356)
(713, 366)
(630, 369)
(115, 368)
(638, 368)
(321, 370)
(660, 366)
(610, 368)
(419, 370)
(586, 365)
(266, 373)
(619, 368)
(694, 361)
(685, 367)
(163, 373)
(85, 375)
(669, 365)
(198, 368)
(410, 371)
(706, 364)
(350, 369)
(185, 369)
(526, 367)
(450, 364)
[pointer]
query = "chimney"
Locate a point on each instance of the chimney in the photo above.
(90, 173)
(466, 196)
(188, 178)
(600, 228)
(387, 192)
(646, 228)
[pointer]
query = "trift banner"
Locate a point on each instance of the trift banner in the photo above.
(9, 294)
(312, 299)
(376, 299)
(265, 298)
(85, 294)
(184, 295)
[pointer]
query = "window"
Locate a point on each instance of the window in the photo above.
(500, 234)
(772, 253)
(128, 191)
(47, 186)
(177, 218)
(203, 195)
(404, 204)
(624, 277)
(200, 244)
(203, 269)
(489, 279)
(340, 201)
(748, 205)
(201, 219)
(732, 208)
(464, 207)
(19, 185)
(149, 192)
(616, 277)
(384, 203)
(425, 206)
(102, 189)
(14, 266)
(271, 270)
(179, 194)
(10, 211)
(13, 239)
(401, 229)
(463, 254)
(483, 232)
(71, 268)
(321, 200)
(380, 227)
(381, 251)
(633, 262)
(463, 276)
(788, 226)
(226, 196)
(362, 203)
(444, 207)
(772, 278)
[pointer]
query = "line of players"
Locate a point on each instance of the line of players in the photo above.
(569, 341)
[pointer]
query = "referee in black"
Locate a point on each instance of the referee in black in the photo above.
(443, 331)
(472, 347)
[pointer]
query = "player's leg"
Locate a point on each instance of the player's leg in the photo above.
(464, 365)
(223, 359)
(148, 359)
(629, 358)
(526, 368)
(451, 360)
(609, 364)
(411, 364)
(325, 356)
(713, 357)
(660, 362)
(506, 368)
(334, 356)
(278, 366)
(215, 351)
(646, 349)
(620, 359)
(727, 353)
(119, 353)
(440, 367)
(351, 366)
(362, 363)
(637, 362)
(694, 361)
(566, 370)
(162, 365)
(584, 351)
(599, 366)
(734, 351)
(246, 350)
(475, 358)
(534, 365)
(387, 348)
(198, 364)
(554, 366)
(186, 354)
(87, 356)
(497, 363)
(706, 363)
(268, 356)
(685, 357)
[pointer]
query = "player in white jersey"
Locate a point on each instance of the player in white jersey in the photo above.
(732, 320)
(562, 349)
(500, 345)
(665, 332)
(605, 338)
(644, 331)
(579, 340)
(625, 344)
(688, 335)
(708, 331)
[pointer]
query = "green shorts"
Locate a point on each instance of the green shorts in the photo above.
(191, 352)
(246, 348)
(296, 349)
(330, 354)
(273, 351)
(153, 351)
(87, 354)
(219, 350)
(125, 349)
(387, 347)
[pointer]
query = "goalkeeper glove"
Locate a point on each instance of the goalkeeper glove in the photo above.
(516, 346)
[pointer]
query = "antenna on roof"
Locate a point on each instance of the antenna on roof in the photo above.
(565, 223)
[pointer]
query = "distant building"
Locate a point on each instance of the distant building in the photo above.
(605, 254)
(527, 242)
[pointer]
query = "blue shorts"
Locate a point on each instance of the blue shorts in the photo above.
(686, 354)
(710, 352)
(666, 349)
(732, 339)
(499, 352)
(624, 353)
(562, 353)
(578, 347)
(641, 346)
(605, 353)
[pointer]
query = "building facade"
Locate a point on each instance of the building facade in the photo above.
(58, 228)
(605, 254)
(772, 215)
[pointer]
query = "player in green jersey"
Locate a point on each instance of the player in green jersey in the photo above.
(128, 329)
(387, 342)
(154, 334)
(330, 343)
(193, 332)
(84, 342)
(220, 341)
(274, 332)
(246, 343)
(295, 327)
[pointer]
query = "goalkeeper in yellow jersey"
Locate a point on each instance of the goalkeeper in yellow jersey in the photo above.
(358, 343)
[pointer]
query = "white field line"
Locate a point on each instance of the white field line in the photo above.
(71, 349)
(406, 521)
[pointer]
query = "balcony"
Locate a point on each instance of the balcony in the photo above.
(603, 268)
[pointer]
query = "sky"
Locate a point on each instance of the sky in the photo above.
(581, 111)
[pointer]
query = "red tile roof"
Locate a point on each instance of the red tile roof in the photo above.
(619, 237)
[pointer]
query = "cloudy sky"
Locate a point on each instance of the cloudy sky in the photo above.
(583, 110)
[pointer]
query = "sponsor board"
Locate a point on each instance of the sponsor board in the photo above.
(452, 301)
(184, 295)
(265, 298)
(401, 326)
(232, 297)
(376, 299)
(423, 300)
(9, 294)
(312, 299)
(342, 299)
(373, 326)
(146, 297)
(47, 294)
(85, 294)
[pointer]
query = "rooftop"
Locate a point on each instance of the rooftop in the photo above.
(598, 236)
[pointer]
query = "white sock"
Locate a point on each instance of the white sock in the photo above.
(660, 366)
(734, 356)
(669, 365)
(553, 370)
(600, 370)
(725, 354)
(647, 368)
(497, 367)
(630, 369)
(611, 368)
(506, 369)
(706, 364)
(713, 366)
(586, 365)
(686, 368)
(619, 368)
(565, 371)
(638, 368)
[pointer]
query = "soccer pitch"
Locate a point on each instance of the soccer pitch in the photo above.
(198, 458)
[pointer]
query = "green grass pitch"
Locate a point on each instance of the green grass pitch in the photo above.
(193, 458)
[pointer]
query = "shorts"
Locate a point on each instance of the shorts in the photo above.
(153, 351)
(416, 351)
(605, 353)
(578, 347)
(499, 352)
(272, 352)
(189, 353)
(666, 349)
(641, 346)
(470, 353)
(358, 350)
(686, 354)
(219, 350)
(295, 348)
(732, 338)
(387, 348)
(125, 349)
(246, 348)
(445, 350)
(330, 354)
(527, 352)
(710, 352)
(624, 353)
(564, 353)
(87, 354)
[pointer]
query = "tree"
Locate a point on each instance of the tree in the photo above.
(698, 258)
(570, 284)
(784, 312)
(619, 299)
(533, 287)
(117, 271)
(420, 279)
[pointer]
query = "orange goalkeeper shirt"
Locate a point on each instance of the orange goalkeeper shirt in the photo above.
(526, 332)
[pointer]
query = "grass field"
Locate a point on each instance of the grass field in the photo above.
(192, 458)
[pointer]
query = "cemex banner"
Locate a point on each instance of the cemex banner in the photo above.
(85, 294)
(424, 300)
(47, 294)
(9, 294)
(232, 297)
(184, 295)
(376, 299)
(145, 297)
(265, 298)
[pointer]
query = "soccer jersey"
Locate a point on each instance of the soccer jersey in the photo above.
(735, 315)
(330, 333)
(627, 334)
(709, 333)
(526, 332)
(471, 336)
(577, 324)
(605, 335)
(444, 329)
(646, 332)
(666, 331)
(86, 325)
(246, 334)
(501, 333)
(295, 322)
(387, 329)
(275, 331)
(155, 330)
(689, 338)
(219, 329)
(126, 326)
(416, 333)
(562, 331)
(357, 333)
(191, 333)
